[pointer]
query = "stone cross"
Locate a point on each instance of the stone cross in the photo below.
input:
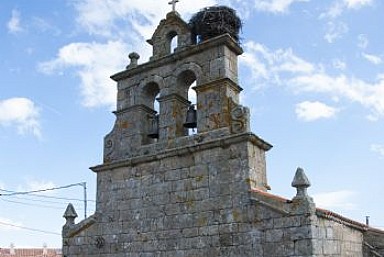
(173, 3)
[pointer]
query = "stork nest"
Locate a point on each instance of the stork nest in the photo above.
(214, 21)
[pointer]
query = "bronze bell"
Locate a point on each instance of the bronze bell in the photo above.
(154, 127)
(191, 120)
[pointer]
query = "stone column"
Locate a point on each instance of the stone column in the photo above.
(173, 110)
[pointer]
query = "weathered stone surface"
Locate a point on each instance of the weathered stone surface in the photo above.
(202, 194)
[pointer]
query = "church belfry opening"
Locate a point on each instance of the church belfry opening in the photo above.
(185, 85)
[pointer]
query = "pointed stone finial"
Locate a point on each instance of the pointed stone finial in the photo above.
(70, 215)
(134, 57)
(301, 183)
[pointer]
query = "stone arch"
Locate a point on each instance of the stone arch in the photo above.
(186, 75)
(150, 88)
(149, 94)
(173, 41)
(184, 82)
(190, 67)
(169, 28)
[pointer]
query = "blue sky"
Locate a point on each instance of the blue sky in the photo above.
(312, 73)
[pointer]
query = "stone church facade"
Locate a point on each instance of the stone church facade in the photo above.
(165, 192)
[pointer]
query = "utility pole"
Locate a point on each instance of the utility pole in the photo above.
(84, 184)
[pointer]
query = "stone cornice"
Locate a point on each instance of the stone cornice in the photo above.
(218, 82)
(185, 150)
(135, 108)
(225, 39)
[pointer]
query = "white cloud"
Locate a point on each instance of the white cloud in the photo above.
(339, 64)
(13, 24)
(33, 185)
(378, 149)
(36, 185)
(106, 18)
(355, 4)
(311, 111)
(335, 31)
(334, 11)
(374, 59)
(369, 95)
(267, 65)
(95, 62)
(125, 25)
(21, 113)
(339, 6)
(362, 41)
(283, 68)
(275, 6)
(372, 117)
(45, 26)
(340, 200)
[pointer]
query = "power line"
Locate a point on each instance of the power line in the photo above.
(38, 200)
(30, 204)
(30, 229)
(37, 205)
(45, 196)
(82, 184)
(42, 190)
(60, 198)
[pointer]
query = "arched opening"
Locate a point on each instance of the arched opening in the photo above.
(174, 44)
(192, 97)
(151, 92)
(172, 41)
(186, 81)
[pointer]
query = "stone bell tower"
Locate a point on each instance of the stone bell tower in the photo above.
(210, 64)
(162, 191)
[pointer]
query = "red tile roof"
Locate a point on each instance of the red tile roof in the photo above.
(30, 252)
(321, 212)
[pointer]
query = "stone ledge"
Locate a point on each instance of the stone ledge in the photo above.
(159, 154)
(70, 231)
(329, 215)
(225, 39)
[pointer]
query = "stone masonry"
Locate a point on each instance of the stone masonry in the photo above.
(177, 194)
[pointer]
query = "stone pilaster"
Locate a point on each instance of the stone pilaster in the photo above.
(173, 110)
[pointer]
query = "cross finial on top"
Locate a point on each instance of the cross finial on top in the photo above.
(173, 3)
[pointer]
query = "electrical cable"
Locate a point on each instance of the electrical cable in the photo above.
(32, 193)
(12, 193)
(40, 205)
(35, 205)
(60, 198)
(31, 229)
(42, 190)
(37, 200)
(51, 197)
